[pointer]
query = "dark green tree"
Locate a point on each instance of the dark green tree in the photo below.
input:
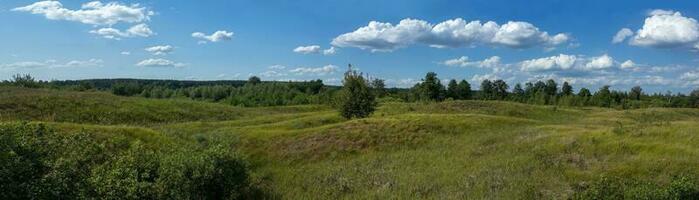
(254, 80)
(518, 92)
(603, 97)
(431, 88)
(379, 87)
(453, 89)
(499, 88)
(636, 93)
(566, 89)
(357, 99)
(551, 87)
(486, 89)
(464, 90)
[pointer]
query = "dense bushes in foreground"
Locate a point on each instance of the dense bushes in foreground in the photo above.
(37, 162)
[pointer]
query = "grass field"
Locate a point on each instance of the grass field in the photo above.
(447, 150)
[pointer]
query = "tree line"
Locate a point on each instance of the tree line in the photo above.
(255, 92)
(546, 93)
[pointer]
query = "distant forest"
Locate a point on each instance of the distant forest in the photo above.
(255, 92)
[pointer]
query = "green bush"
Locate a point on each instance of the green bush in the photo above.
(39, 163)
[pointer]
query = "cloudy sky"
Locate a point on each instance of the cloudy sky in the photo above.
(591, 43)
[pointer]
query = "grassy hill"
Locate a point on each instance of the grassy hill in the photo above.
(447, 150)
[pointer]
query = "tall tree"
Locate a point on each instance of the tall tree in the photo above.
(486, 89)
(551, 87)
(636, 93)
(603, 97)
(357, 99)
(464, 90)
(379, 87)
(584, 92)
(518, 92)
(500, 89)
(431, 88)
(453, 90)
(566, 89)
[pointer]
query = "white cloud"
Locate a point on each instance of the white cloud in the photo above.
(277, 67)
(379, 36)
(560, 62)
(126, 53)
(94, 13)
(327, 69)
(217, 36)
(601, 62)
(159, 62)
(690, 76)
(628, 64)
(160, 49)
(330, 51)
(307, 49)
(53, 64)
(315, 49)
(622, 35)
(98, 14)
(272, 73)
(139, 30)
(463, 61)
(667, 29)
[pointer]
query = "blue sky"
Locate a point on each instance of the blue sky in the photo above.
(398, 41)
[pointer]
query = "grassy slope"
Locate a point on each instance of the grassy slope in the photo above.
(452, 150)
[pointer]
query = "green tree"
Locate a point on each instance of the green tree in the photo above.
(636, 93)
(379, 87)
(566, 89)
(254, 80)
(499, 88)
(518, 92)
(464, 90)
(24, 80)
(551, 87)
(453, 89)
(603, 97)
(431, 88)
(357, 100)
(486, 89)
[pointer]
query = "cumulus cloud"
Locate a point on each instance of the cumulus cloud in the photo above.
(464, 61)
(159, 62)
(139, 30)
(307, 49)
(126, 53)
(560, 62)
(691, 76)
(315, 49)
(601, 62)
(380, 36)
(98, 14)
(53, 64)
(217, 36)
(330, 51)
(667, 29)
(160, 49)
(622, 35)
(628, 64)
(94, 13)
(327, 69)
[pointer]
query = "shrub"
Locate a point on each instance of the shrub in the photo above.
(357, 100)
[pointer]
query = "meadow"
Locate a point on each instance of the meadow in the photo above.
(455, 149)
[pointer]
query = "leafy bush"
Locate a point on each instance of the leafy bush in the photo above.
(39, 163)
(680, 187)
(357, 99)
